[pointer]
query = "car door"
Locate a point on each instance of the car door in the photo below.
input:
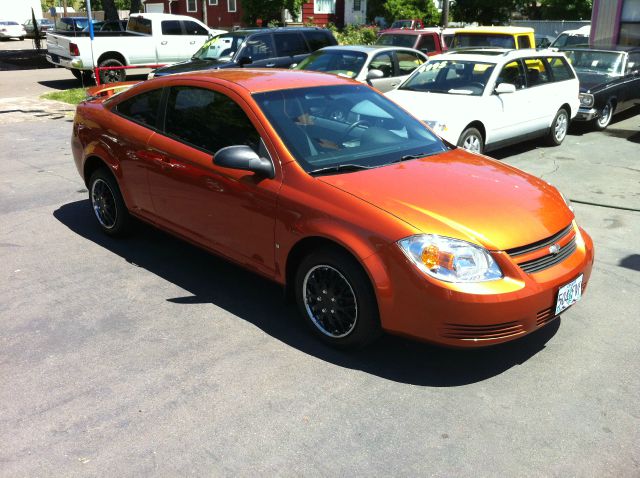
(545, 97)
(508, 115)
(260, 49)
(385, 63)
(229, 211)
(194, 36)
(630, 87)
(170, 45)
(290, 48)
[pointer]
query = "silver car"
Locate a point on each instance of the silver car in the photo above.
(383, 67)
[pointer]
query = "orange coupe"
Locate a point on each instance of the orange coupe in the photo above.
(325, 186)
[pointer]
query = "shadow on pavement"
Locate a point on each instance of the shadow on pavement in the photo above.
(209, 279)
(23, 59)
(631, 262)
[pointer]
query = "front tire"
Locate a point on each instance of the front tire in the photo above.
(336, 299)
(107, 203)
(471, 140)
(559, 127)
(111, 76)
(604, 119)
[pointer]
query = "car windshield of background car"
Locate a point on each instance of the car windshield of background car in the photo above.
(602, 62)
(348, 126)
(397, 40)
(455, 77)
(466, 40)
(220, 48)
(342, 63)
(401, 24)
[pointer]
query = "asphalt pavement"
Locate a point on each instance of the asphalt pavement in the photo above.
(149, 357)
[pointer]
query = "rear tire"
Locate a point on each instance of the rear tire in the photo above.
(336, 299)
(602, 121)
(559, 127)
(471, 140)
(107, 203)
(111, 76)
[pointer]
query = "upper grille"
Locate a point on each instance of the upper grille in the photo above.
(481, 332)
(546, 261)
(518, 251)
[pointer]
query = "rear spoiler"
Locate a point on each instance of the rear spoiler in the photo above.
(109, 89)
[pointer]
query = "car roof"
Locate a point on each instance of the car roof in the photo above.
(496, 55)
(404, 31)
(366, 48)
(260, 80)
(249, 31)
(505, 30)
(615, 49)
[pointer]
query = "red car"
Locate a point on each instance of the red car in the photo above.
(325, 186)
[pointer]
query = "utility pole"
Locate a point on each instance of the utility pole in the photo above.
(445, 13)
(204, 12)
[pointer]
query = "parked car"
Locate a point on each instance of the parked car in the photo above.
(571, 38)
(261, 48)
(609, 82)
(407, 24)
(44, 25)
(10, 29)
(72, 24)
(382, 67)
(543, 41)
(497, 37)
(369, 220)
(150, 39)
(486, 99)
(428, 41)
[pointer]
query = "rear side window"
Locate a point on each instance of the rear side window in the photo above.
(171, 27)
(193, 28)
(318, 39)
(259, 47)
(139, 25)
(290, 44)
(427, 44)
(142, 108)
(560, 69)
(208, 120)
(407, 62)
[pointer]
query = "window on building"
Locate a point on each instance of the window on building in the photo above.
(324, 6)
(213, 2)
(231, 5)
(192, 5)
(357, 5)
(630, 23)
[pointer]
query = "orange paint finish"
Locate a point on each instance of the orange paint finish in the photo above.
(258, 222)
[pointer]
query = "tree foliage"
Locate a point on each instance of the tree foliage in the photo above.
(267, 10)
(424, 10)
(487, 12)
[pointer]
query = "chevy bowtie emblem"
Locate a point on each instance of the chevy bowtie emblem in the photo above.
(554, 249)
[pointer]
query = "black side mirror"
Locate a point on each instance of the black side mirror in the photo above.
(244, 158)
(245, 60)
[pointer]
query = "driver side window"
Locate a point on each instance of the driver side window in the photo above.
(259, 47)
(384, 63)
(512, 73)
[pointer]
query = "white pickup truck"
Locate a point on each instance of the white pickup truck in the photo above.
(150, 39)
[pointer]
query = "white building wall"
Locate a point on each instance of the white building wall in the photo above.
(355, 17)
(19, 10)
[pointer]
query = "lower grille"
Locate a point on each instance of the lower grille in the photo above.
(481, 332)
(545, 316)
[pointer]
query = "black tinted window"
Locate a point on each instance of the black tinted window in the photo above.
(560, 69)
(142, 108)
(318, 39)
(427, 44)
(207, 120)
(139, 25)
(524, 42)
(193, 28)
(171, 27)
(259, 47)
(289, 44)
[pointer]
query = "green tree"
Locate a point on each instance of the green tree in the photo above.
(424, 10)
(485, 12)
(566, 9)
(267, 10)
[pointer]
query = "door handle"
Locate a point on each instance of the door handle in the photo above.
(393, 85)
(155, 156)
(270, 65)
(192, 42)
(163, 42)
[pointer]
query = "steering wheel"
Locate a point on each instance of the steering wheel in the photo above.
(348, 131)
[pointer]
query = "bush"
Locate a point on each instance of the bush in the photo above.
(356, 35)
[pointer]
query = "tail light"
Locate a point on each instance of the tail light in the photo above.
(73, 49)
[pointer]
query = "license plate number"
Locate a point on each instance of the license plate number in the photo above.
(569, 294)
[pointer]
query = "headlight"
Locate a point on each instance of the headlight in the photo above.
(566, 201)
(450, 260)
(437, 126)
(586, 99)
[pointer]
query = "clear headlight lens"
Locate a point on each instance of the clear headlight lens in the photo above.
(437, 126)
(586, 99)
(450, 260)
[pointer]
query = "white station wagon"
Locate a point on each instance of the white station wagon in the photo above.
(488, 98)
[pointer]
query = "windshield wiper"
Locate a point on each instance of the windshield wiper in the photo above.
(340, 168)
(408, 157)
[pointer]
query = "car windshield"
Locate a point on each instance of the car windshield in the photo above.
(397, 40)
(564, 39)
(401, 24)
(331, 129)
(221, 48)
(466, 40)
(455, 77)
(343, 63)
(603, 62)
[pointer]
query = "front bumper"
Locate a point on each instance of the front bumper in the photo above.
(587, 114)
(475, 315)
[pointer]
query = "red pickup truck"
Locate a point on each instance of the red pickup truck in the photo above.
(428, 41)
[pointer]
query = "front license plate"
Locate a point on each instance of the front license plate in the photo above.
(569, 294)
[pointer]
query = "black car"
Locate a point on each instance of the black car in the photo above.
(260, 48)
(609, 82)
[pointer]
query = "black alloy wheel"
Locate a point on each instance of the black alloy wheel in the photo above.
(107, 203)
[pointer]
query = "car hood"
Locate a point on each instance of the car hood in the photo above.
(463, 195)
(592, 81)
(193, 65)
(434, 106)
